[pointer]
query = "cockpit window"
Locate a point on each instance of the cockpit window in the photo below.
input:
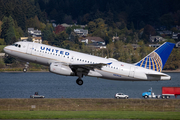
(17, 45)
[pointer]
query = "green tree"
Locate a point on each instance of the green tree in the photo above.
(59, 38)
(91, 26)
(101, 28)
(34, 23)
(47, 31)
(110, 50)
(68, 30)
(20, 16)
(4, 26)
(167, 20)
(10, 35)
(0, 27)
(19, 32)
(2, 42)
(8, 30)
(148, 31)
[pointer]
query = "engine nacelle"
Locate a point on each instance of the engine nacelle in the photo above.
(58, 68)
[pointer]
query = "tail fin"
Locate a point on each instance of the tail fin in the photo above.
(157, 58)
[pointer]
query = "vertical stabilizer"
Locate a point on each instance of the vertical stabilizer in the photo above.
(157, 59)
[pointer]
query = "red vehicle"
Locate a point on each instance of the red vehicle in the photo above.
(170, 91)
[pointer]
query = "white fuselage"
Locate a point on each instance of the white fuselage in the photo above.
(45, 54)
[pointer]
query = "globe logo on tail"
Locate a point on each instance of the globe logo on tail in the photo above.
(152, 61)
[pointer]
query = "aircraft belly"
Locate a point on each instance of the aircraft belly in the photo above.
(42, 60)
(114, 76)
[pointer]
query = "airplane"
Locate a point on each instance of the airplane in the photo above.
(71, 63)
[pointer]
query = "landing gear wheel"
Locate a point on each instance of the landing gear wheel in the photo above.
(26, 66)
(79, 81)
(145, 96)
(24, 70)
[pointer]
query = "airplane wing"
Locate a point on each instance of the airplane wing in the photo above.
(89, 66)
(83, 69)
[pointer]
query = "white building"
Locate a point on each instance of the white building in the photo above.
(34, 33)
(81, 32)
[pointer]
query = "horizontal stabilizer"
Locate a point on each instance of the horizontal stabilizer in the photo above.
(156, 74)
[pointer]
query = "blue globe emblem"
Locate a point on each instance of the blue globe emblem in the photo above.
(153, 62)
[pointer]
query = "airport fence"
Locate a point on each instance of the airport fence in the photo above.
(89, 105)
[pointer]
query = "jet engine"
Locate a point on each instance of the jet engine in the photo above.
(61, 69)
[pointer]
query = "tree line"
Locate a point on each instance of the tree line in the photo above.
(132, 21)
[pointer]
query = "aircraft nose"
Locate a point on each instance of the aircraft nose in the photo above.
(6, 49)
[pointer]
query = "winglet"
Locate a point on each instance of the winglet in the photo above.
(157, 59)
(109, 63)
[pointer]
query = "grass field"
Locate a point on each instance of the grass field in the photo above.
(89, 108)
(88, 115)
(1, 48)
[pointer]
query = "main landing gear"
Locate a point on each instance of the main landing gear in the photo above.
(26, 66)
(79, 81)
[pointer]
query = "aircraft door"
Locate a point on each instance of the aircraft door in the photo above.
(131, 72)
(29, 49)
